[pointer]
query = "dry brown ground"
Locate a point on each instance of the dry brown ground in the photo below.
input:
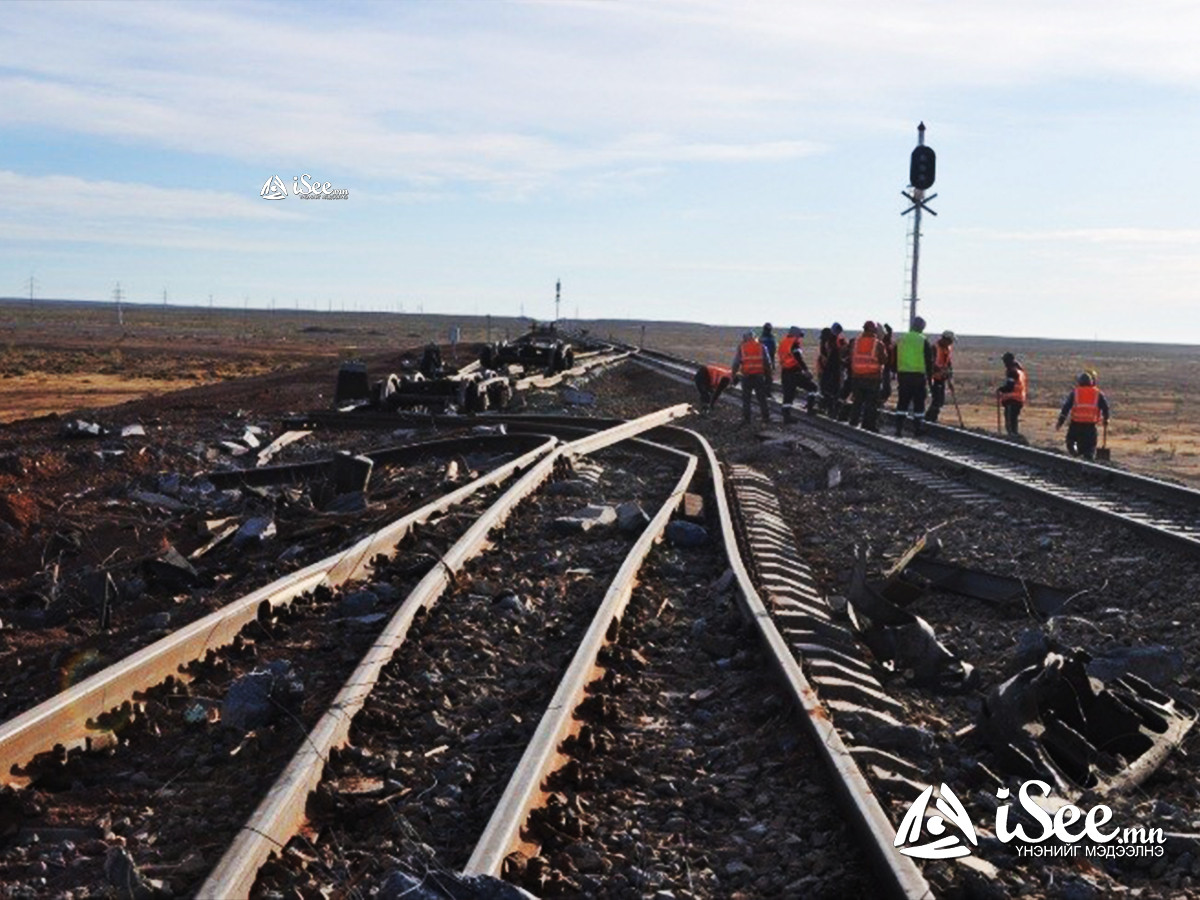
(57, 357)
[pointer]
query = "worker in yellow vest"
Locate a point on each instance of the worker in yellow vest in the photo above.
(912, 360)
(752, 362)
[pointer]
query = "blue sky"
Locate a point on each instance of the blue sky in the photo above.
(709, 161)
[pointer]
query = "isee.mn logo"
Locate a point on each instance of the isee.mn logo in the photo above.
(1065, 822)
(273, 189)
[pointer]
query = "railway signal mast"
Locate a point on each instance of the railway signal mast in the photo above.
(557, 297)
(921, 172)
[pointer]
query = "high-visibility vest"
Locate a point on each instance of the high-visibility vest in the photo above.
(1020, 391)
(752, 358)
(1086, 408)
(941, 361)
(864, 360)
(786, 360)
(717, 374)
(910, 352)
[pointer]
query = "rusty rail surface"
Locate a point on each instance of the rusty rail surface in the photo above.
(899, 875)
(66, 718)
(279, 817)
(524, 791)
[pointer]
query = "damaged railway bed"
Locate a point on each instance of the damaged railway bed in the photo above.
(533, 627)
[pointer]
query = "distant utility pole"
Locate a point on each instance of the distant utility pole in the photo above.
(557, 297)
(117, 296)
(32, 282)
(921, 172)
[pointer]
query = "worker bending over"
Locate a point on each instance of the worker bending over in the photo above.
(752, 362)
(1086, 405)
(712, 381)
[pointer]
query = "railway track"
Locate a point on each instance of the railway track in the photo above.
(83, 715)
(428, 766)
(1161, 512)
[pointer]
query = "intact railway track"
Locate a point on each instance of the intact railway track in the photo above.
(1159, 511)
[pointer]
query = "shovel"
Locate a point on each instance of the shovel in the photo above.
(998, 414)
(1104, 453)
(954, 397)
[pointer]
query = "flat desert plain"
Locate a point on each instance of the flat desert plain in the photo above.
(59, 357)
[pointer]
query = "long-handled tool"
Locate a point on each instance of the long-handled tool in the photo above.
(954, 397)
(1104, 453)
(998, 414)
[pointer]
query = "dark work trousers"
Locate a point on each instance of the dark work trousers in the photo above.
(754, 384)
(1012, 413)
(865, 403)
(706, 394)
(792, 380)
(937, 394)
(831, 386)
(1081, 439)
(911, 395)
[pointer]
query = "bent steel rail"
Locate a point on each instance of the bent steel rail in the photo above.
(279, 817)
(64, 719)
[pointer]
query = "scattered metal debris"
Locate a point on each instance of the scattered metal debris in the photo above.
(919, 570)
(898, 637)
(1055, 722)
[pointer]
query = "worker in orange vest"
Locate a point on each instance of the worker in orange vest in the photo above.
(1013, 393)
(1086, 405)
(868, 359)
(793, 370)
(943, 372)
(752, 363)
(711, 382)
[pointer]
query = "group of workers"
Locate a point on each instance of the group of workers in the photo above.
(854, 377)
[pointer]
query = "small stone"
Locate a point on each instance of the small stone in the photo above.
(253, 531)
(584, 520)
(686, 534)
(257, 698)
(359, 603)
(631, 517)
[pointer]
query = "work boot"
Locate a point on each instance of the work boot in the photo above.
(899, 425)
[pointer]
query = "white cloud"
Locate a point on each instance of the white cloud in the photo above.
(83, 199)
(1124, 236)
